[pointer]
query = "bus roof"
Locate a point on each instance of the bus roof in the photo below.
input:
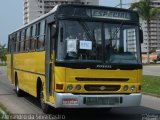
(39, 18)
(72, 5)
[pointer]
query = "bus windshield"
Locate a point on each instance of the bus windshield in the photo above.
(81, 41)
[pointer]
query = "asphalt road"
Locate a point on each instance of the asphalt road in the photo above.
(152, 70)
(29, 105)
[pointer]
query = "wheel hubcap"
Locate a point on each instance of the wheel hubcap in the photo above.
(17, 88)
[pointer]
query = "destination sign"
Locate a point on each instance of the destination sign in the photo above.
(98, 12)
(111, 14)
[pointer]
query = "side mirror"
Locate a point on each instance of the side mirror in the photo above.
(53, 30)
(141, 35)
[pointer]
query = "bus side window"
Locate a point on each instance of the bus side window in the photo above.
(27, 39)
(33, 37)
(8, 44)
(24, 47)
(22, 41)
(19, 41)
(41, 35)
(38, 34)
(15, 42)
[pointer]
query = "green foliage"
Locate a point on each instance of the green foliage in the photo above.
(3, 52)
(145, 10)
(5, 110)
(151, 84)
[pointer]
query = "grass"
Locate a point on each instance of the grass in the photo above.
(2, 64)
(5, 110)
(151, 84)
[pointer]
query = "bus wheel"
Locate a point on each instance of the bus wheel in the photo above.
(19, 92)
(44, 106)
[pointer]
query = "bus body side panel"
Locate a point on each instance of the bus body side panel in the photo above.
(30, 66)
(140, 75)
(9, 67)
(60, 78)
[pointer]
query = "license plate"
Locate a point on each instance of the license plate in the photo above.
(102, 100)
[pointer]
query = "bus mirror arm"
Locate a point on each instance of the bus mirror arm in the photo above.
(141, 35)
(54, 31)
(61, 34)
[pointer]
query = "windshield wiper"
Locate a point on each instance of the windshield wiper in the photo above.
(117, 30)
(114, 35)
(87, 30)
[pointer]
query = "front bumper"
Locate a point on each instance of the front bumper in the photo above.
(127, 100)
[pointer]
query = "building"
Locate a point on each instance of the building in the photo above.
(154, 30)
(35, 8)
(131, 40)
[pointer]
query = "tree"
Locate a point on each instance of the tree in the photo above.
(146, 12)
(3, 52)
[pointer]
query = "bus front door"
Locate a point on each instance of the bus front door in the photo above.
(50, 63)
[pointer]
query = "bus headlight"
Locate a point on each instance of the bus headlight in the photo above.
(78, 87)
(70, 87)
(132, 88)
(125, 88)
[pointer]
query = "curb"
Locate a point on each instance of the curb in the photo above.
(150, 94)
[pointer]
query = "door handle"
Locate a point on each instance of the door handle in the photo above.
(52, 57)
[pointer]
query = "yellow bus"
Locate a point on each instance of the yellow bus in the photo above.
(78, 56)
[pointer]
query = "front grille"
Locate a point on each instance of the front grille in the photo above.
(102, 87)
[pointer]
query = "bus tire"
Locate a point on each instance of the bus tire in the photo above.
(19, 92)
(45, 107)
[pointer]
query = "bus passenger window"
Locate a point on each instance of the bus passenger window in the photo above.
(33, 37)
(22, 41)
(27, 39)
(41, 35)
(18, 42)
(8, 47)
(15, 42)
(24, 48)
(38, 34)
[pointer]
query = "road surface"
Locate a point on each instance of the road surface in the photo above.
(29, 105)
(152, 70)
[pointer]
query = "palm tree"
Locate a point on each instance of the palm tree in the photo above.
(146, 12)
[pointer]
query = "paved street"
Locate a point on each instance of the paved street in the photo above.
(152, 70)
(29, 105)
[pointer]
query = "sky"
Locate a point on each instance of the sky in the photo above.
(11, 15)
